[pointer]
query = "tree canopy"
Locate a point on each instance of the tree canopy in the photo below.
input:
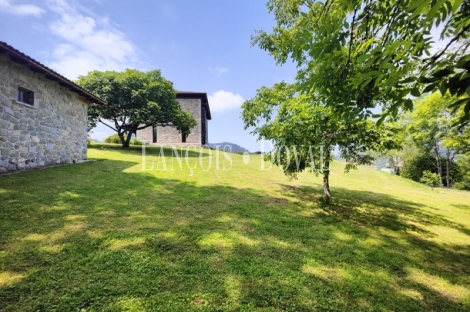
(361, 54)
(136, 100)
(432, 128)
(305, 132)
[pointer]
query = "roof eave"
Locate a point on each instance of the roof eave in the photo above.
(197, 95)
(35, 66)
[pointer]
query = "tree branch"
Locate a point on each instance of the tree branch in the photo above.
(387, 30)
(106, 125)
(351, 36)
(436, 57)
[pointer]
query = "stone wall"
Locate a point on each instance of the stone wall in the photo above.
(170, 135)
(52, 131)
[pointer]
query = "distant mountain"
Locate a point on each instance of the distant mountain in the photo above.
(235, 147)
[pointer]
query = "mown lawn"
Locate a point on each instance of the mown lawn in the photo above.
(108, 236)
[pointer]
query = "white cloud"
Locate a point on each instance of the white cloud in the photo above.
(224, 101)
(88, 42)
(20, 9)
(221, 70)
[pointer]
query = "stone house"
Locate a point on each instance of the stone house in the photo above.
(43, 115)
(195, 103)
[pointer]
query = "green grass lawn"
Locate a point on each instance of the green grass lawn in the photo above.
(108, 236)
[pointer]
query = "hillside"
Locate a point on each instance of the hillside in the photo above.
(235, 148)
(107, 235)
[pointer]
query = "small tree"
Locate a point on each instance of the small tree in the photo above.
(430, 179)
(136, 100)
(304, 132)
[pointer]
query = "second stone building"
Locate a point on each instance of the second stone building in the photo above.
(195, 103)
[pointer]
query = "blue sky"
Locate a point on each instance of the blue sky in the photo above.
(200, 45)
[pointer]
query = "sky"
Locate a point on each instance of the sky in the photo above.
(201, 46)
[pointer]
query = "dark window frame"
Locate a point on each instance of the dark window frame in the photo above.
(25, 96)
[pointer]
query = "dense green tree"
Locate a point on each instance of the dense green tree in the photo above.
(136, 100)
(304, 132)
(432, 126)
(360, 54)
(430, 179)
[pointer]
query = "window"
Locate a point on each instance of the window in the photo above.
(154, 134)
(25, 96)
(183, 139)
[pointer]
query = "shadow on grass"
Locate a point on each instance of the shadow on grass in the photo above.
(96, 238)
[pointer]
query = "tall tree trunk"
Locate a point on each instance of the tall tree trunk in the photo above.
(438, 161)
(127, 141)
(124, 141)
(326, 182)
(448, 168)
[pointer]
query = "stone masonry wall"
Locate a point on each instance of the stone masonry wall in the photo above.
(170, 135)
(53, 130)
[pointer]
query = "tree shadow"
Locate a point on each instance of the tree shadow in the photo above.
(109, 239)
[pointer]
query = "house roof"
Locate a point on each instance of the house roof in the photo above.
(196, 95)
(35, 66)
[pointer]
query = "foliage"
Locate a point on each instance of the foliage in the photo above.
(135, 141)
(304, 132)
(357, 55)
(414, 166)
(430, 179)
(108, 236)
(432, 127)
(136, 100)
(463, 166)
(114, 139)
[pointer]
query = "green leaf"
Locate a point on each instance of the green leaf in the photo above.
(361, 59)
(456, 5)
(443, 72)
(408, 80)
(408, 104)
(415, 92)
(419, 9)
(373, 73)
(443, 88)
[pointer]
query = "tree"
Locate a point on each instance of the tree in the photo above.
(136, 100)
(430, 179)
(382, 50)
(304, 131)
(432, 126)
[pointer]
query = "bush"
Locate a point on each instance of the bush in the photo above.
(135, 141)
(463, 176)
(114, 139)
(414, 167)
(430, 179)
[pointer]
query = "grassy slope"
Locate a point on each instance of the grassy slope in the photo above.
(106, 235)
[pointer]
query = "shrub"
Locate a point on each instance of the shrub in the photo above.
(463, 176)
(430, 179)
(114, 138)
(135, 141)
(414, 167)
